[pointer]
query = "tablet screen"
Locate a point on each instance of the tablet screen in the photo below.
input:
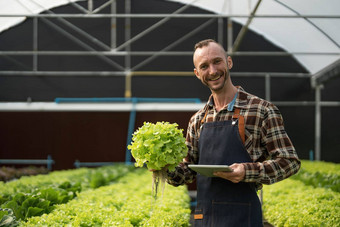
(208, 170)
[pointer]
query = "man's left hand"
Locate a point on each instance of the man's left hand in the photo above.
(235, 176)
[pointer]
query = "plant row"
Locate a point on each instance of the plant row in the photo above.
(320, 174)
(310, 198)
(87, 177)
(128, 202)
(37, 195)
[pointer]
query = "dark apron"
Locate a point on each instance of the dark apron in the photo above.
(221, 202)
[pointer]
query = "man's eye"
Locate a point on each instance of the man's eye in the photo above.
(217, 61)
(203, 66)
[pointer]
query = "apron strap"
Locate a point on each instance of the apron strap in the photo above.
(240, 123)
(205, 115)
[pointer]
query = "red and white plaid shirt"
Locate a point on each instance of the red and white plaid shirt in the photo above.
(266, 141)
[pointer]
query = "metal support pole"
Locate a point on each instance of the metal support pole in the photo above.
(230, 35)
(162, 15)
(163, 53)
(128, 61)
(220, 30)
(244, 29)
(82, 44)
(146, 61)
(35, 43)
(83, 33)
(113, 25)
(318, 121)
(128, 35)
(128, 92)
(151, 28)
(267, 87)
(103, 6)
(90, 5)
(77, 29)
(79, 7)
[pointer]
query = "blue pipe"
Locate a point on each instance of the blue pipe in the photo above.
(131, 127)
(49, 161)
(132, 118)
(120, 99)
(90, 100)
(180, 100)
(311, 155)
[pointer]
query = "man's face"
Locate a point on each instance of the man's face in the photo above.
(212, 66)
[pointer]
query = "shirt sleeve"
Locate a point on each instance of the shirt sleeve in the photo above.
(183, 174)
(282, 160)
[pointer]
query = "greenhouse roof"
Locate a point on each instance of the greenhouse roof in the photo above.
(314, 38)
(309, 29)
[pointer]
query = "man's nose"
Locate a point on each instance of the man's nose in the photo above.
(212, 69)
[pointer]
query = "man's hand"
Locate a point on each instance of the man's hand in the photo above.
(235, 176)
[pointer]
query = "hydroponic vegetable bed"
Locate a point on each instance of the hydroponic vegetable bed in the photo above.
(121, 195)
(310, 198)
(107, 196)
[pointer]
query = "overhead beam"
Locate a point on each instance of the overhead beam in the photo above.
(145, 73)
(149, 29)
(327, 73)
(245, 27)
(169, 47)
(164, 53)
(158, 15)
(81, 43)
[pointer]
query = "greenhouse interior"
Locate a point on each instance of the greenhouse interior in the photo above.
(80, 79)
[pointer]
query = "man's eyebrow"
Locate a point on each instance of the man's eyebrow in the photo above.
(202, 63)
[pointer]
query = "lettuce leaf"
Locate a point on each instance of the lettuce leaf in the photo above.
(158, 145)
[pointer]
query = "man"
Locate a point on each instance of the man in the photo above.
(238, 129)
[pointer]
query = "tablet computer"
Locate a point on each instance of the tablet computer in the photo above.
(208, 170)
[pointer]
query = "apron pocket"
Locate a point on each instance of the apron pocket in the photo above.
(231, 214)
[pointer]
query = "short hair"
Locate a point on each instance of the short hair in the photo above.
(204, 43)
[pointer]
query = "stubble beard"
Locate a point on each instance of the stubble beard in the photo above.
(225, 75)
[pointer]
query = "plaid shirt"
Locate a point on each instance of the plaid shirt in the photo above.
(266, 141)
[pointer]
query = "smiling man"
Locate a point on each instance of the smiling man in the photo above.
(238, 129)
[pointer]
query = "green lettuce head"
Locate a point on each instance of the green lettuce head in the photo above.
(158, 145)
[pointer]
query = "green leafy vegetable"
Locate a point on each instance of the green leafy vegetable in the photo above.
(309, 198)
(320, 174)
(127, 202)
(36, 195)
(158, 145)
(97, 180)
(7, 218)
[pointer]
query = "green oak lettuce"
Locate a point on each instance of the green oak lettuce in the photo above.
(127, 202)
(158, 145)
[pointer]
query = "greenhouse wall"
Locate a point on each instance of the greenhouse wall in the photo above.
(71, 136)
(102, 136)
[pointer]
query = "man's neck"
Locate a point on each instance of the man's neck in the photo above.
(221, 99)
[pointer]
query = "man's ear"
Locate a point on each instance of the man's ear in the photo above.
(196, 73)
(229, 62)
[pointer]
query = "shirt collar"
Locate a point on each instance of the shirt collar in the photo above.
(240, 99)
(232, 103)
